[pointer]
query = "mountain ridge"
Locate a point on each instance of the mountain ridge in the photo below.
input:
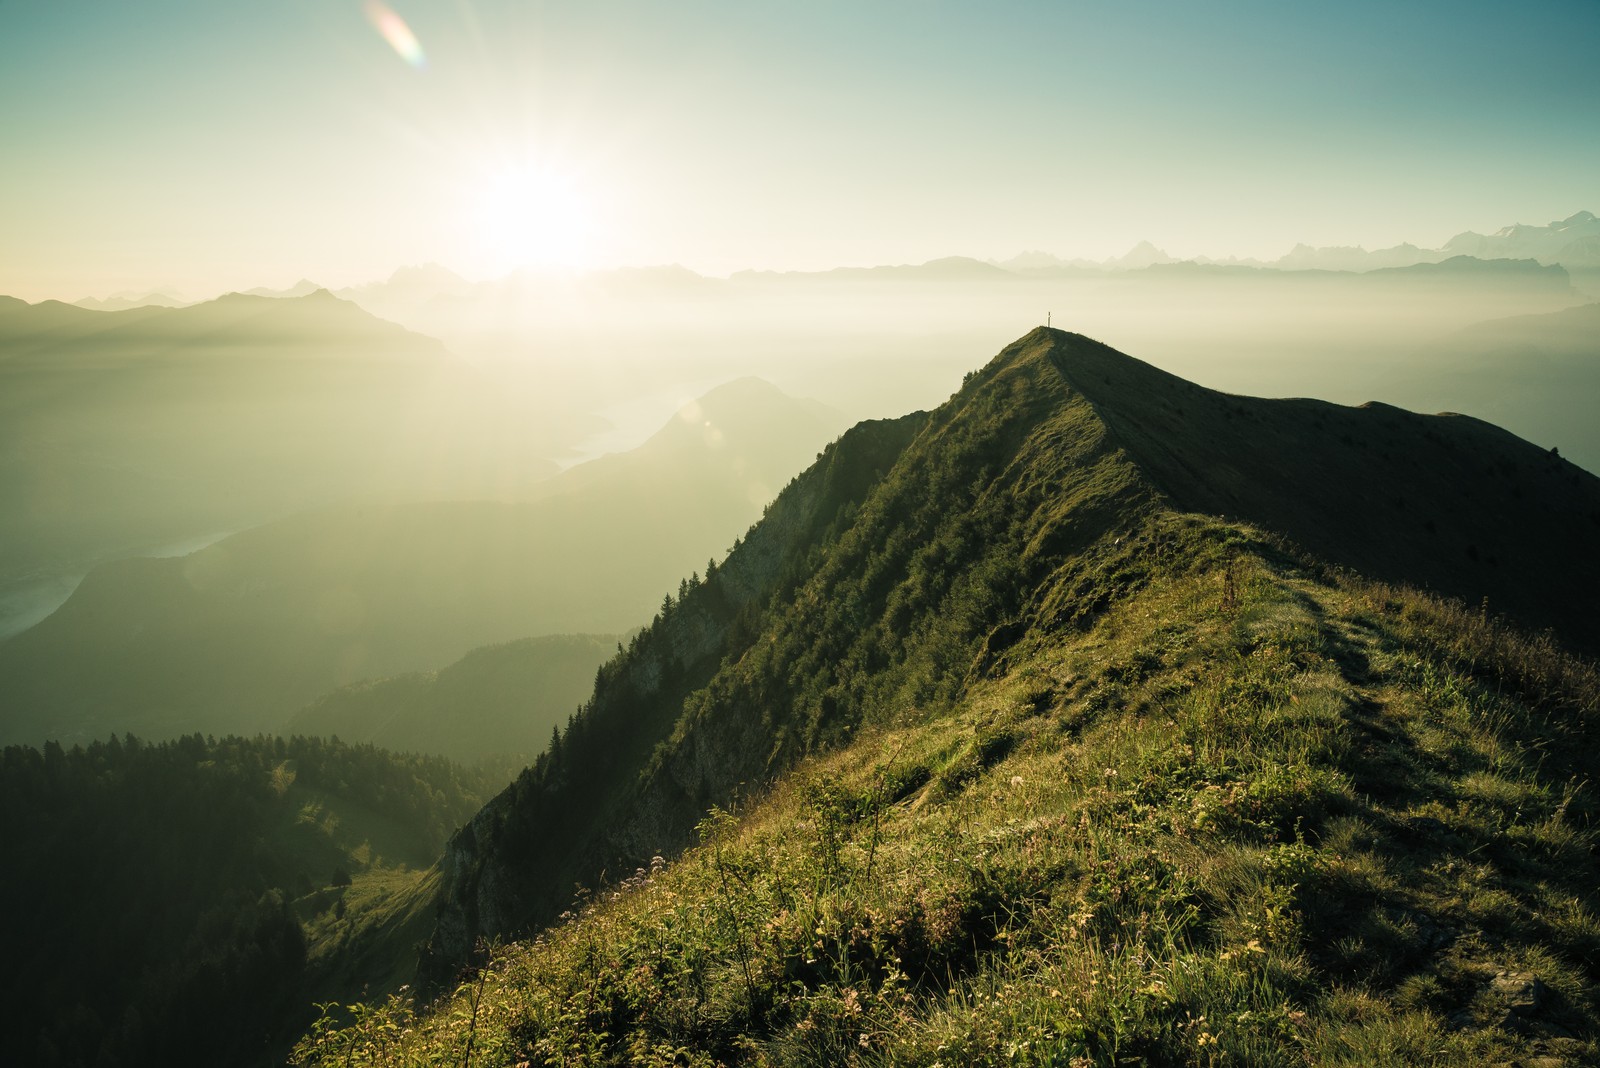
(1027, 504)
(1572, 242)
(316, 316)
(1389, 447)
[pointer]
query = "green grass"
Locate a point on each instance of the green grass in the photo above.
(1246, 813)
(366, 935)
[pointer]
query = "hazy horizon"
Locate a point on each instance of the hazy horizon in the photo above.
(556, 275)
(725, 483)
(522, 274)
(205, 149)
(530, 147)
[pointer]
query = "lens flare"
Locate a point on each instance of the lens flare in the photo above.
(396, 32)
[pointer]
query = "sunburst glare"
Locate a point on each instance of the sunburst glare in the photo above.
(532, 216)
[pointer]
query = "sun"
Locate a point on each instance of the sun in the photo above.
(533, 217)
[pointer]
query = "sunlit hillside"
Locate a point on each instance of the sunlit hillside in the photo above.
(724, 534)
(985, 747)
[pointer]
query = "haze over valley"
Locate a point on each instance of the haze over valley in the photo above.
(713, 534)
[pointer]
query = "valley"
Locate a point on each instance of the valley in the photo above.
(879, 739)
(726, 535)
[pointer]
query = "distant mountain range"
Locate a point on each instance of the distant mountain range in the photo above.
(131, 299)
(130, 431)
(948, 269)
(51, 331)
(1573, 242)
(303, 288)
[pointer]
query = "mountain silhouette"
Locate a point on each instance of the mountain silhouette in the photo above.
(241, 634)
(1568, 241)
(496, 702)
(146, 430)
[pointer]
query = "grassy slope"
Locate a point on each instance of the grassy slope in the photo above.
(1447, 502)
(1084, 744)
(1253, 814)
(985, 525)
(586, 803)
(887, 564)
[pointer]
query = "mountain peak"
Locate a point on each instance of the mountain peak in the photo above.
(913, 558)
(299, 289)
(1344, 482)
(1095, 369)
(1144, 254)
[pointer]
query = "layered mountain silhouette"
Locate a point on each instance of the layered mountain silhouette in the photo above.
(495, 703)
(945, 269)
(1572, 242)
(131, 299)
(239, 322)
(870, 340)
(303, 288)
(1501, 277)
(135, 431)
(919, 556)
(242, 634)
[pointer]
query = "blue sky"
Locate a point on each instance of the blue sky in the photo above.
(218, 144)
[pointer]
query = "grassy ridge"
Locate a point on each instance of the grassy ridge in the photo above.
(871, 586)
(1005, 513)
(1250, 812)
(1028, 604)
